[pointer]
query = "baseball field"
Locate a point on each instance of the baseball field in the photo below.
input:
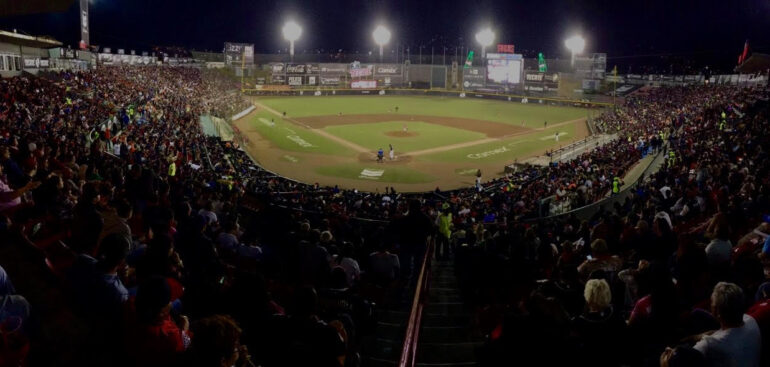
(437, 141)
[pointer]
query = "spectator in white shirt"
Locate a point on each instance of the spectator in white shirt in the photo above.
(737, 342)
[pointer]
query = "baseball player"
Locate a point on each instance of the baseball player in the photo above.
(392, 154)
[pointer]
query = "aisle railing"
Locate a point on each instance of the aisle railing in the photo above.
(409, 350)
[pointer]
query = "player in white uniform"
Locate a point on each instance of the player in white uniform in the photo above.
(392, 154)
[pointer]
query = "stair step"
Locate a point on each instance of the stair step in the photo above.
(437, 320)
(447, 308)
(376, 362)
(445, 334)
(444, 353)
(444, 298)
(382, 349)
(393, 317)
(390, 331)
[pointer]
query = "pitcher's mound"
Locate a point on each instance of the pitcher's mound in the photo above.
(401, 134)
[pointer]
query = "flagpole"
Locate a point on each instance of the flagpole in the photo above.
(615, 86)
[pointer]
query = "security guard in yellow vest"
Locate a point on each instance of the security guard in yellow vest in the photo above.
(616, 182)
(722, 125)
(671, 158)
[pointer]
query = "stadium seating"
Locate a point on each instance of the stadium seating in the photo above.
(129, 238)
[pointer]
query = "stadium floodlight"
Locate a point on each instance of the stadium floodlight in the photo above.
(485, 38)
(381, 37)
(291, 32)
(576, 44)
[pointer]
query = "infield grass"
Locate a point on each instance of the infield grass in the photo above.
(426, 135)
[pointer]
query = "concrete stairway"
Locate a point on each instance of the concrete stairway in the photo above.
(446, 337)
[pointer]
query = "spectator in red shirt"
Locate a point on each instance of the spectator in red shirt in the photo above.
(155, 339)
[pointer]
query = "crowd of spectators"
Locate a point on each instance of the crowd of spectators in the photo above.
(133, 239)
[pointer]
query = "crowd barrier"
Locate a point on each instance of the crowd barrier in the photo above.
(589, 210)
(242, 113)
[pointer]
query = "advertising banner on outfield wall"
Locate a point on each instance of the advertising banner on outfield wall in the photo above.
(330, 80)
(363, 84)
(474, 77)
(362, 71)
(387, 69)
(294, 80)
(391, 81)
(302, 69)
(333, 68)
(295, 68)
(277, 68)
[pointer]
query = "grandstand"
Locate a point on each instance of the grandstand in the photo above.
(172, 207)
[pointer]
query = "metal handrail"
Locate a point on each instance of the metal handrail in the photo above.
(409, 350)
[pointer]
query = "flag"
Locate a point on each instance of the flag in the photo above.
(742, 57)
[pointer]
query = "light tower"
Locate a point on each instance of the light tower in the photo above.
(381, 37)
(291, 32)
(485, 38)
(575, 44)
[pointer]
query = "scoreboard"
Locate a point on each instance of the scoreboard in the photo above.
(504, 69)
(235, 52)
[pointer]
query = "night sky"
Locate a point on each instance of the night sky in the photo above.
(712, 30)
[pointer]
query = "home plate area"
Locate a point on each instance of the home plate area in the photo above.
(369, 157)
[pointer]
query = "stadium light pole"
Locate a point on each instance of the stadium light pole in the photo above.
(291, 32)
(575, 44)
(381, 37)
(485, 38)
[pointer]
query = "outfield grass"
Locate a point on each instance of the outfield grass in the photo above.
(507, 149)
(288, 136)
(390, 174)
(373, 135)
(473, 108)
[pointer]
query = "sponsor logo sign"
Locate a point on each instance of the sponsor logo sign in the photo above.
(334, 68)
(387, 70)
(295, 80)
(371, 174)
(361, 72)
(301, 142)
(363, 84)
(295, 68)
(330, 80)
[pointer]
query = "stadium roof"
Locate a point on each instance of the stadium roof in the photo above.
(756, 63)
(27, 40)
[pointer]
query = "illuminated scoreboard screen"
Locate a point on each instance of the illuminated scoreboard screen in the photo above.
(504, 68)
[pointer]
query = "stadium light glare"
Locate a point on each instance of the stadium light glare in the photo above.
(291, 32)
(576, 44)
(381, 37)
(485, 38)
